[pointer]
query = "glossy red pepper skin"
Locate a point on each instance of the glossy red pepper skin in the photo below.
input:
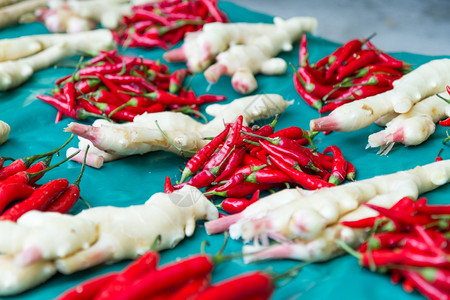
(339, 167)
(88, 289)
(13, 191)
(236, 205)
(39, 200)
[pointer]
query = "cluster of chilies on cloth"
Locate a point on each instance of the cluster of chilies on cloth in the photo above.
(241, 161)
(165, 23)
(119, 87)
(410, 240)
(353, 71)
(20, 192)
(187, 278)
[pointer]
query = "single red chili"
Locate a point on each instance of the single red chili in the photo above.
(70, 93)
(302, 157)
(12, 192)
(142, 14)
(339, 168)
(88, 289)
(191, 289)
(236, 205)
(168, 187)
(218, 15)
(313, 101)
(176, 80)
(145, 264)
(292, 133)
(244, 286)
(211, 98)
(249, 160)
(233, 162)
(239, 191)
(347, 50)
(197, 161)
(401, 216)
(85, 86)
(267, 176)
(138, 40)
(362, 58)
(229, 143)
(434, 209)
(305, 180)
(67, 199)
(174, 274)
(426, 288)
(39, 200)
(238, 177)
(77, 113)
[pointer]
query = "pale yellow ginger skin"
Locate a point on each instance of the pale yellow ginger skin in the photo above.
(15, 280)
(307, 225)
(113, 141)
(35, 233)
(11, 13)
(256, 54)
(50, 242)
(107, 13)
(5, 129)
(415, 126)
(427, 80)
(18, 65)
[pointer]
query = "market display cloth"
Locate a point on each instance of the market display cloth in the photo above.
(134, 179)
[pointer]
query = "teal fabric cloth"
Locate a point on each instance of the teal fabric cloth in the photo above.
(134, 179)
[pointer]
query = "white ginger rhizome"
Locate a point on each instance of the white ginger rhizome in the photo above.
(241, 50)
(44, 243)
(305, 225)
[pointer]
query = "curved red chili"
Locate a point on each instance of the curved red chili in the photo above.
(339, 168)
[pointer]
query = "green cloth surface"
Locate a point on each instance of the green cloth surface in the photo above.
(134, 179)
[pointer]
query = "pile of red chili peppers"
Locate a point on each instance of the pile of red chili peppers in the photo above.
(241, 161)
(353, 71)
(184, 279)
(165, 23)
(410, 240)
(120, 87)
(20, 192)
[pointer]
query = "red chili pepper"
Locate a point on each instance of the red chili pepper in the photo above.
(102, 56)
(388, 60)
(70, 93)
(236, 205)
(362, 59)
(39, 200)
(197, 161)
(168, 187)
(347, 50)
(22, 164)
(174, 274)
(292, 133)
(362, 223)
(351, 171)
(265, 131)
(427, 289)
(67, 199)
(85, 86)
(238, 177)
(244, 286)
(339, 169)
(88, 289)
(301, 157)
(77, 113)
(239, 191)
(233, 163)
(218, 15)
(267, 176)
(13, 191)
(434, 209)
(313, 101)
(191, 289)
(251, 161)
(400, 216)
(120, 283)
(138, 40)
(445, 122)
(176, 80)
(305, 180)
(142, 14)
(229, 143)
